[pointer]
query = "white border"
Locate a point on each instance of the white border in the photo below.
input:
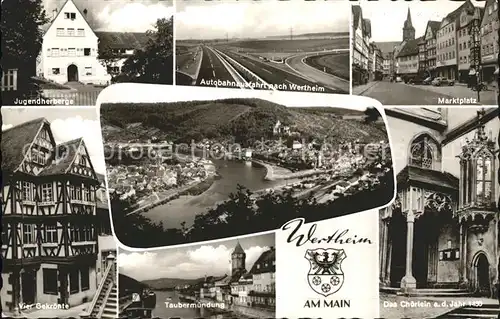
(125, 93)
(174, 44)
(351, 49)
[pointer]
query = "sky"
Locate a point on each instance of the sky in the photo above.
(119, 15)
(388, 17)
(66, 124)
(191, 262)
(199, 19)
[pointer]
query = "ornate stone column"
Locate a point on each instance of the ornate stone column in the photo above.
(387, 279)
(466, 198)
(464, 256)
(383, 251)
(409, 282)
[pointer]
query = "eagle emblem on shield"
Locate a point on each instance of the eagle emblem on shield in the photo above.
(325, 275)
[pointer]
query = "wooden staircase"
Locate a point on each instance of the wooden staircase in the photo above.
(111, 306)
(105, 302)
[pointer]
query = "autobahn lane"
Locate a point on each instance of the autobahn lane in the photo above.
(297, 63)
(280, 79)
(212, 70)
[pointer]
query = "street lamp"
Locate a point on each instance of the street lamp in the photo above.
(475, 33)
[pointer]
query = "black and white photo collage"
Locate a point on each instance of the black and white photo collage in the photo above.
(250, 159)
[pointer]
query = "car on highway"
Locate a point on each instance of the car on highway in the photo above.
(442, 81)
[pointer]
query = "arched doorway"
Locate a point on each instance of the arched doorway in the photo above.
(482, 271)
(72, 73)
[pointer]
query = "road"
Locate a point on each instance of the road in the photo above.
(282, 80)
(212, 69)
(297, 63)
(391, 93)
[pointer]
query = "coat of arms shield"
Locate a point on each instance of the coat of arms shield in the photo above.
(325, 275)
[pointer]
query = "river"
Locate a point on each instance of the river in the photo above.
(185, 313)
(232, 173)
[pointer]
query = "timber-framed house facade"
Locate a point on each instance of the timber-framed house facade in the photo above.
(49, 236)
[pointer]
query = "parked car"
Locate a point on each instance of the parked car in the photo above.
(417, 80)
(427, 81)
(442, 81)
(399, 79)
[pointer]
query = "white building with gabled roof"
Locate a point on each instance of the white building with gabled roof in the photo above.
(70, 49)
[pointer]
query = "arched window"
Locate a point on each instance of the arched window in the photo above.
(477, 177)
(423, 152)
(483, 177)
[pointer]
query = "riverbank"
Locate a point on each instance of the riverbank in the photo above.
(233, 309)
(214, 307)
(193, 189)
(274, 173)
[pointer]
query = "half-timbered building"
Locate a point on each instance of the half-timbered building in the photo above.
(49, 237)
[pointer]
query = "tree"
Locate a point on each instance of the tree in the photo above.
(135, 230)
(22, 40)
(107, 57)
(371, 115)
(153, 64)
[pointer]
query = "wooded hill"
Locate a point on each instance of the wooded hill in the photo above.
(241, 120)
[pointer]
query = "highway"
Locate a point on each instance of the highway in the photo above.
(297, 63)
(212, 69)
(300, 77)
(281, 79)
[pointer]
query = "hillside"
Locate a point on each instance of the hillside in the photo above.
(241, 120)
(169, 283)
(311, 35)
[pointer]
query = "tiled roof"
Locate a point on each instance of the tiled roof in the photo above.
(265, 263)
(436, 179)
(410, 48)
(62, 166)
(455, 13)
(434, 25)
(367, 27)
(387, 47)
(247, 276)
(237, 275)
(123, 40)
(238, 249)
(100, 177)
(356, 12)
(224, 281)
(14, 141)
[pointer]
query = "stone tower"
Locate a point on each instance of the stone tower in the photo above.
(408, 29)
(238, 258)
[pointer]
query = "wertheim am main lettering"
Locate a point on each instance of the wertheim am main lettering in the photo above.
(338, 236)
